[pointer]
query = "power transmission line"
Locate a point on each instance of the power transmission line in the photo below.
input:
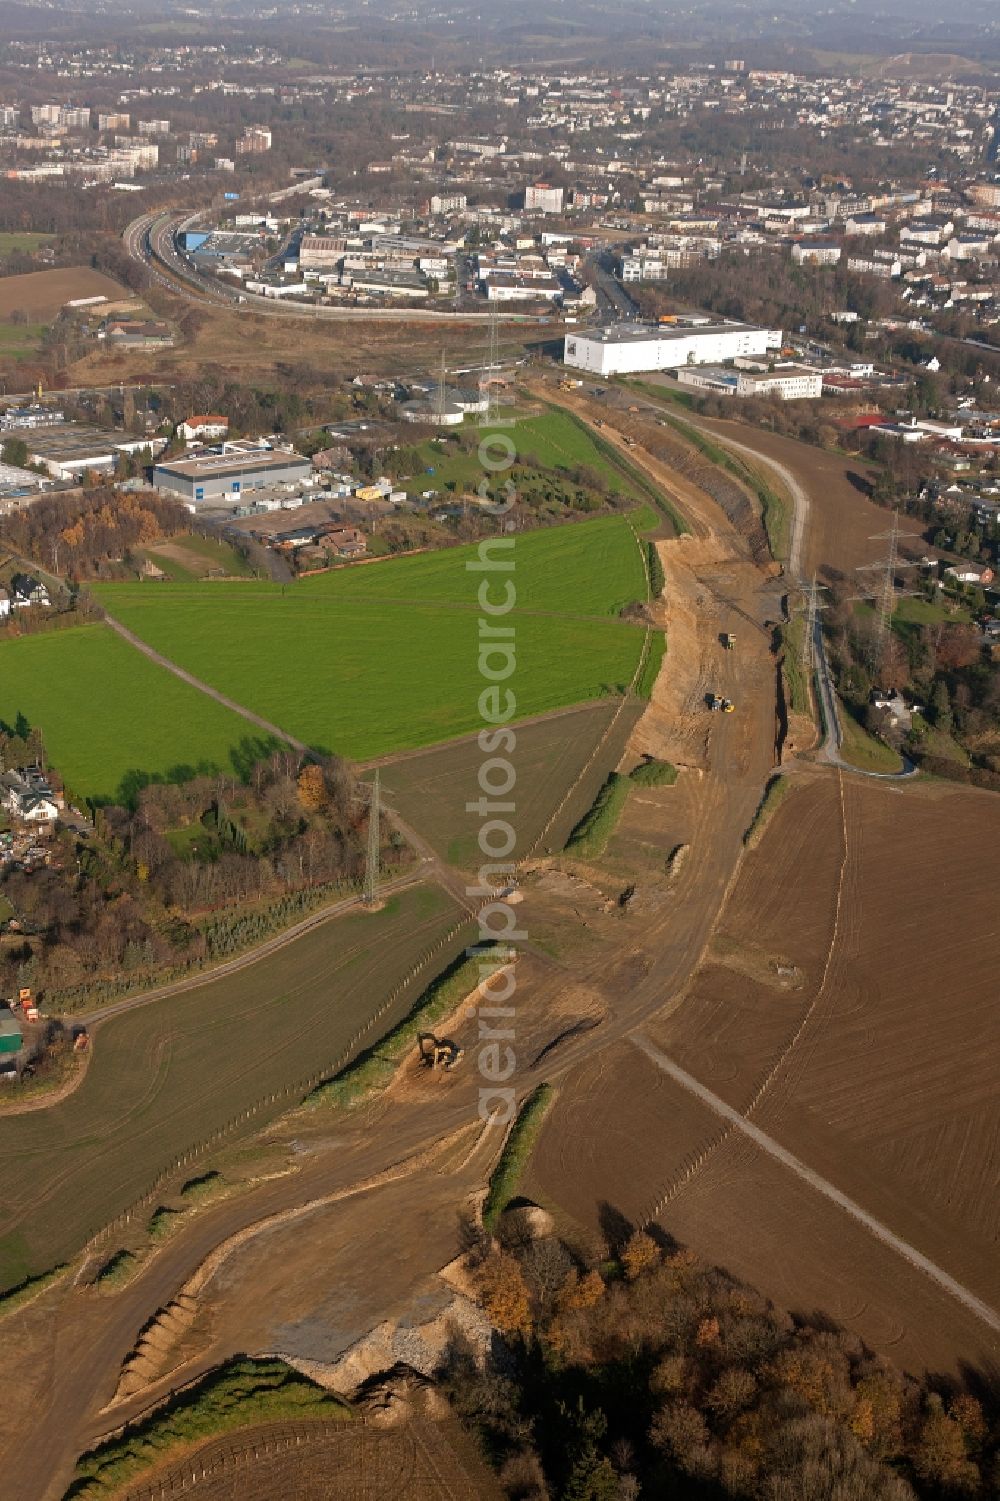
(813, 611)
(374, 847)
(887, 593)
(490, 374)
(442, 394)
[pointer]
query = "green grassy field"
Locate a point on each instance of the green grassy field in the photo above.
(548, 440)
(13, 240)
(164, 1077)
(370, 660)
(188, 559)
(20, 338)
(586, 568)
(111, 717)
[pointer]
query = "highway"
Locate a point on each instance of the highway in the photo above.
(150, 240)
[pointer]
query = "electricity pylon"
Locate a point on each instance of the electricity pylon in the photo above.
(442, 394)
(813, 610)
(374, 847)
(886, 594)
(492, 363)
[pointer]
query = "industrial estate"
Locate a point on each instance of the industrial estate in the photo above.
(499, 712)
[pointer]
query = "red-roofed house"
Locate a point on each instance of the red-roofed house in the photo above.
(204, 429)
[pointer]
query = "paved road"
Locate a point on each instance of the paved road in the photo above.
(149, 240)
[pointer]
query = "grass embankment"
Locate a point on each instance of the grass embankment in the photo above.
(243, 1394)
(117, 1270)
(639, 482)
(863, 750)
(651, 665)
(517, 1150)
(775, 793)
(651, 773)
(375, 1069)
(29, 1289)
(657, 579)
(590, 838)
(793, 671)
(666, 394)
(775, 511)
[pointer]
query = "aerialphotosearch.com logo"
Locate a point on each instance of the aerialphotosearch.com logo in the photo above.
(496, 595)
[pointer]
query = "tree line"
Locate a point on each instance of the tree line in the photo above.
(654, 1375)
(181, 872)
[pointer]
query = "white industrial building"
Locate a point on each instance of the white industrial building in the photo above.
(785, 382)
(628, 348)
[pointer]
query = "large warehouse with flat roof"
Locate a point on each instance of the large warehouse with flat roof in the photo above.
(629, 348)
(228, 472)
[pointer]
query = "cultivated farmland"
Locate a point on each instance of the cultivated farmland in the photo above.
(839, 1006)
(41, 294)
(111, 718)
(165, 1077)
(423, 1461)
(384, 657)
(553, 758)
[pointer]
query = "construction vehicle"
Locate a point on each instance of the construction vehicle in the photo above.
(439, 1052)
(630, 443)
(720, 705)
(729, 640)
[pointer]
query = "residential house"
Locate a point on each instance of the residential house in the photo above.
(25, 591)
(27, 794)
(344, 541)
(977, 574)
(203, 429)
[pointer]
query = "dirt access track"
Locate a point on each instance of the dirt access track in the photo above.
(339, 1221)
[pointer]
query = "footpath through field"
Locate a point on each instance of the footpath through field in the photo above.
(434, 865)
(815, 1181)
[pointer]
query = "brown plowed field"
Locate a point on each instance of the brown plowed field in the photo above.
(841, 520)
(847, 1006)
(314, 1461)
(40, 294)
